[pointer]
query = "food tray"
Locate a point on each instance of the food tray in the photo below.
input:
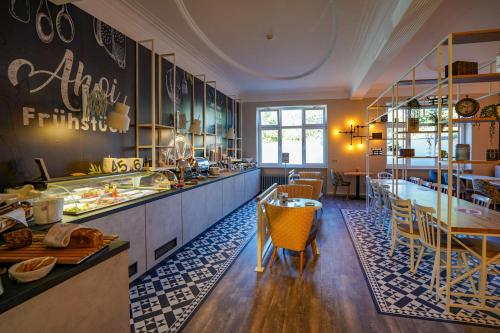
(67, 256)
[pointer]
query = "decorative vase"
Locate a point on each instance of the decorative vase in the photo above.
(118, 119)
(462, 152)
(492, 154)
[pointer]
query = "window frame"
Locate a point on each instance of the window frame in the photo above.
(406, 163)
(279, 127)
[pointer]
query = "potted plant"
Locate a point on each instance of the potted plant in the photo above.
(491, 111)
(413, 120)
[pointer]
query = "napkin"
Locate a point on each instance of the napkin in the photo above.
(60, 234)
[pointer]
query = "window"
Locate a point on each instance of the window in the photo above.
(297, 130)
(425, 142)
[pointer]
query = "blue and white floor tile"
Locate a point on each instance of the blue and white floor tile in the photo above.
(395, 290)
(164, 299)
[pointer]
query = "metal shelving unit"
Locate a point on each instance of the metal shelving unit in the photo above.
(391, 101)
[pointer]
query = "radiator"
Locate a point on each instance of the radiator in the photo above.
(269, 180)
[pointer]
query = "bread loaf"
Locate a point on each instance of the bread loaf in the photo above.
(18, 238)
(86, 237)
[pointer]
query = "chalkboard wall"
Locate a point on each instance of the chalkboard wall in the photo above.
(42, 70)
(47, 53)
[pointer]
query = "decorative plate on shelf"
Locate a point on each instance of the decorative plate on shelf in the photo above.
(467, 107)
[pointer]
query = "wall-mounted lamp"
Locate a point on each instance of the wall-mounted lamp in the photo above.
(354, 132)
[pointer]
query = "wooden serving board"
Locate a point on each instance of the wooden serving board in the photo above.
(66, 256)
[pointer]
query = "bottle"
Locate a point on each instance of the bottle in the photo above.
(498, 62)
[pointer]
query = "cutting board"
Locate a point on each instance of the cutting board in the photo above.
(66, 256)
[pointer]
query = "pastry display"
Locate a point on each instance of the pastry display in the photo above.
(32, 269)
(18, 238)
(86, 237)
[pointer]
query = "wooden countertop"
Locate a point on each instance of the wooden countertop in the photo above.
(487, 221)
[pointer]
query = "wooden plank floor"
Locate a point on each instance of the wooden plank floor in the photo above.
(331, 297)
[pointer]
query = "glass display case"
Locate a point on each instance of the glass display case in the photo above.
(89, 193)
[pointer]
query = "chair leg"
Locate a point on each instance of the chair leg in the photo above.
(314, 247)
(393, 243)
(412, 255)
(273, 257)
(467, 269)
(420, 255)
(435, 268)
(301, 262)
(335, 191)
(348, 192)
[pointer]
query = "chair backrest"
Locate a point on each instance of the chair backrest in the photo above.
(427, 226)
(297, 191)
(310, 174)
(317, 185)
(290, 226)
(425, 183)
(369, 186)
(386, 197)
(335, 177)
(377, 194)
(402, 213)
(384, 175)
(481, 200)
(414, 180)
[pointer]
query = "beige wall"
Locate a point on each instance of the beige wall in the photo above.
(343, 157)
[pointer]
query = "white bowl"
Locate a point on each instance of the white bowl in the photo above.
(34, 274)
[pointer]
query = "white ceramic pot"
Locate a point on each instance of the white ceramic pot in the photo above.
(48, 210)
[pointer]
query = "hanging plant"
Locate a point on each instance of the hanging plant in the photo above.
(491, 111)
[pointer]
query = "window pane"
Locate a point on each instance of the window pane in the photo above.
(292, 143)
(314, 117)
(314, 145)
(291, 117)
(269, 118)
(269, 139)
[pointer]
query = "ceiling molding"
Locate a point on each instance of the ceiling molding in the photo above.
(294, 95)
(135, 21)
(405, 21)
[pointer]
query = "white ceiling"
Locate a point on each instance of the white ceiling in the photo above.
(375, 40)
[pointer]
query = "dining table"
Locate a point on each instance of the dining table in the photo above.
(297, 203)
(471, 177)
(357, 175)
(465, 218)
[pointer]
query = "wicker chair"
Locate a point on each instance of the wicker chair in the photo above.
(310, 174)
(338, 180)
(291, 228)
(296, 190)
(485, 188)
(317, 185)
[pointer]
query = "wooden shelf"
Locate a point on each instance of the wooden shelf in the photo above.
(473, 120)
(468, 78)
(475, 162)
(417, 157)
(199, 148)
(156, 126)
(150, 147)
(478, 36)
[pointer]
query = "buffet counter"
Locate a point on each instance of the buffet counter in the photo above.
(150, 228)
(159, 223)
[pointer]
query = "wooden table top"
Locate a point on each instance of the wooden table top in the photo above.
(298, 203)
(355, 173)
(472, 177)
(466, 218)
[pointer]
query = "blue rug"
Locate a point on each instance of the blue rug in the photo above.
(165, 298)
(395, 290)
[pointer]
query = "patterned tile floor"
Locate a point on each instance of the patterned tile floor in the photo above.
(394, 288)
(164, 299)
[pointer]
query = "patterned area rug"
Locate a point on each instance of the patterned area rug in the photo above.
(395, 290)
(165, 298)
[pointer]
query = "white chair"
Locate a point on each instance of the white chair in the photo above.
(481, 200)
(378, 203)
(384, 175)
(414, 180)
